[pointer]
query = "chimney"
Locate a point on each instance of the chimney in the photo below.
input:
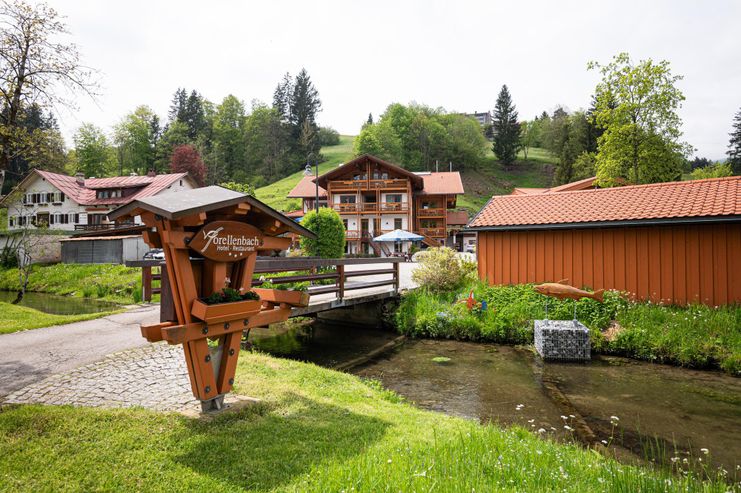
(80, 178)
(151, 173)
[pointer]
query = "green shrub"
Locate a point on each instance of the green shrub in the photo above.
(330, 241)
(440, 270)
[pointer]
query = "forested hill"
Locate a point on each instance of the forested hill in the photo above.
(480, 184)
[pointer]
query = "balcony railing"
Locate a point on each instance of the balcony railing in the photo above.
(347, 184)
(392, 183)
(431, 212)
(352, 234)
(394, 206)
(345, 207)
(372, 207)
(99, 227)
(371, 184)
(433, 232)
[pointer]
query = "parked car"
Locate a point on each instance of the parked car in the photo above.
(154, 254)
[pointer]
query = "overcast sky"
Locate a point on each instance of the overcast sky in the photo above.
(365, 55)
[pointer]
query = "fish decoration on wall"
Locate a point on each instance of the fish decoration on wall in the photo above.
(561, 290)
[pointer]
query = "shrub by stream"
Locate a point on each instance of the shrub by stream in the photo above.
(696, 336)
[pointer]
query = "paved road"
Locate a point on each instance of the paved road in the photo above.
(32, 355)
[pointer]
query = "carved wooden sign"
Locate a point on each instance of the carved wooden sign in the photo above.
(226, 241)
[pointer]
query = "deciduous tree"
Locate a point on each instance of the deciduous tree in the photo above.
(636, 105)
(134, 139)
(94, 153)
(37, 67)
(186, 159)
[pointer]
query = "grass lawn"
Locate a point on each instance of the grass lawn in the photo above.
(315, 430)
(108, 282)
(275, 194)
(491, 178)
(14, 318)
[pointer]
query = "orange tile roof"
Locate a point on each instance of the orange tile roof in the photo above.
(457, 218)
(442, 183)
(716, 197)
(306, 189)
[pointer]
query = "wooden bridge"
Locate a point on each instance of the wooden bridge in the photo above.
(333, 283)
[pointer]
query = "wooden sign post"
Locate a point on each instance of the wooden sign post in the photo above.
(211, 238)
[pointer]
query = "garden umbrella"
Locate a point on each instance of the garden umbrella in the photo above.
(399, 235)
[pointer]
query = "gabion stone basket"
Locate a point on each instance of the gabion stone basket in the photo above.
(564, 340)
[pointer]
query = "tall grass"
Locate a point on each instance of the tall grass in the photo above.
(109, 282)
(696, 336)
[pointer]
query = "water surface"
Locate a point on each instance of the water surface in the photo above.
(662, 411)
(59, 305)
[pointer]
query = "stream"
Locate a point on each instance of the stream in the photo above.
(58, 305)
(662, 411)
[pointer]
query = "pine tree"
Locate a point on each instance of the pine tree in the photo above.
(506, 129)
(734, 145)
(305, 104)
(282, 97)
(177, 106)
(370, 119)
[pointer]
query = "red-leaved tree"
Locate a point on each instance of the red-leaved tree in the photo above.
(185, 158)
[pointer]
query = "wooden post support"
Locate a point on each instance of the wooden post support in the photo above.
(147, 283)
(340, 282)
(396, 277)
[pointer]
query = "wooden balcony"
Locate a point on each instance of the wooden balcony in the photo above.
(352, 234)
(394, 206)
(372, 184)
(347, 184)
(392, 183)
(433, 232)
(345, 207)
(431, 212)
(372, 207)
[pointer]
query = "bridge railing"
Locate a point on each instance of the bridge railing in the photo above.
(337, 275)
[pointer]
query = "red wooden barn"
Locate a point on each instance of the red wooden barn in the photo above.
(677, 242)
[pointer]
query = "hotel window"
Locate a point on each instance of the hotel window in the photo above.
(397, 223)
(347, 199)
(393, 197)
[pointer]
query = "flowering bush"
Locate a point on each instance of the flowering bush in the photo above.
(440, 270)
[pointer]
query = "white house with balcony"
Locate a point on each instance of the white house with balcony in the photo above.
(74, 203)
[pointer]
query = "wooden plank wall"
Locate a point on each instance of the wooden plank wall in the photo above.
(676, 264)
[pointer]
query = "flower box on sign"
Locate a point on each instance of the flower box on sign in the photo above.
(290, 297)
(224, 312)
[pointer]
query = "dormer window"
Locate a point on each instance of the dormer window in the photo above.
(114, 193)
